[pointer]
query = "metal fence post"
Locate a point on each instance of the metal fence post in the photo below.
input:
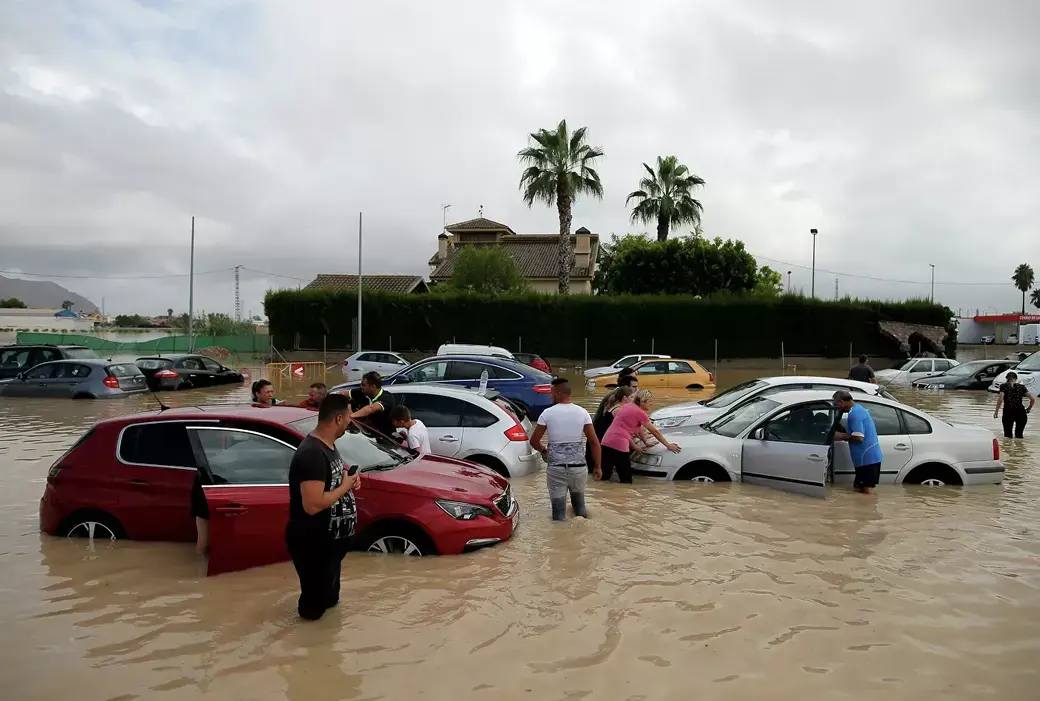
(783, 360)
(586, 366)
(716, 362)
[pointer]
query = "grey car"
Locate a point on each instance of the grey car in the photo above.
(76, 379)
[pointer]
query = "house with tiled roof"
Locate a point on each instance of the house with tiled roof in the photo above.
(535, 254)
(406, 284)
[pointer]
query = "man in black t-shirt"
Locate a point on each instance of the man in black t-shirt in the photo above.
(862, 372)
(372, 404)
(322, 513)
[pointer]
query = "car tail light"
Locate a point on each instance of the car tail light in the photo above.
(542, 389)
(52, 474)
(111, 382)
(165, 374)
(711, 377)
(996, 449)
(516, 433)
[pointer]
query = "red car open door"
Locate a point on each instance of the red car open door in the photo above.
(247, 495)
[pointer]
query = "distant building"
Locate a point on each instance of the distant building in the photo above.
(1000, 326)
(536, 255)
(405, 284)
(45, 320)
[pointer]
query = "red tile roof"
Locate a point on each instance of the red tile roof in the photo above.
(383, 283)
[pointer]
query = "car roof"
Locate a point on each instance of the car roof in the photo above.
(665, 357)
(442, 388)
(777, 380)
(280, 414)
(171, 356)
(44, 345)
(490, 359)
(815, 395)
(100, 362)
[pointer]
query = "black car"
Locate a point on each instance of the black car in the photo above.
(976, 374)
(18, 358)
(170, 372)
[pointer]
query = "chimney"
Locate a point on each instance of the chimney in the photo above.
(582, 248)
(442, 246)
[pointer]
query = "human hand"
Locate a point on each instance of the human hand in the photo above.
(995, 413)
(674, 448)
(597, 473)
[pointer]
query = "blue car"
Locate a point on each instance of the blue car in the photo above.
(515, 381)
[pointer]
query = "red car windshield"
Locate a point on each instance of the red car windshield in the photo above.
(362, 446)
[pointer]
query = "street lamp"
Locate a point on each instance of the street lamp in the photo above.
(932, 266)
(788, 282)
(813, 232)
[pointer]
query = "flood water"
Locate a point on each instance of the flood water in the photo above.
(668, 591)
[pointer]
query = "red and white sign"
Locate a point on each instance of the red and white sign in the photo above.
(296, 369)
(245, 373)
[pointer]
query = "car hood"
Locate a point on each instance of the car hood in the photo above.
(1025, 377)
(681, 409)
(599, 372)
(694, 414)
(945, 380)
(441, 478)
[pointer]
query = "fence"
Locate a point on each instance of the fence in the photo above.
(255, 344)
(295, 372)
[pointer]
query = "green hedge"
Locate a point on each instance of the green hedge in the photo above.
(746, 327)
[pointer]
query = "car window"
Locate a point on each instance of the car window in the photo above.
(190, 364)
(123, 370)
(1030, 363)
(429, 372)
(80, 354)
(941, 365)
(211, 365)
(680, 367)
(434, 410)
(242, 457)
(14, 358)
(915, 425)
(398, 359)
(42, 372)
(74, 371)
(161, 444)
(154, 363)
(474, 416)
(367, 358)
(627, 361)
(653, 368)
(886, 419)
(734, 394)
(45, 355)
(736, 421)
(362, 446)
(804, 424)
(922, 366)
(497, 373)
(464, 370)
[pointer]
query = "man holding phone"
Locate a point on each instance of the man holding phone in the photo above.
(322, 513)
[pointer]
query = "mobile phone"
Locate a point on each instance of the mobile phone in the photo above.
(353, 470)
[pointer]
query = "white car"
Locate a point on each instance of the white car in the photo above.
(1012, 339)
(988, 340)
(1028, 372)
(914, 369)
(486, 428)
(695, 413)
(383, 362)
(626, 362)
(471, 349)
(784, 441)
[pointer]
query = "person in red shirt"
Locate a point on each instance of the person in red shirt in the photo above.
(315, 394)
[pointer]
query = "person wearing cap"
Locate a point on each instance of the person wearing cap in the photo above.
(863, 442)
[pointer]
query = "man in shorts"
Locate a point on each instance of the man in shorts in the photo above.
(863, 442)
(566, 423)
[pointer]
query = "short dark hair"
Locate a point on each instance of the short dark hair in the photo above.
(400, 413)
(862, 358)
(319, 385)
(331, 406)
(627, 380)
(843, 395)
(559, 381)
(562, 385)
(625, 372)
(372, 378)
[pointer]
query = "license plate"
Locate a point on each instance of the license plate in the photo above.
(516, 520)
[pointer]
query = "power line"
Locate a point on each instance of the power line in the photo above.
(287, 277)
(113, 277)
(882, 279)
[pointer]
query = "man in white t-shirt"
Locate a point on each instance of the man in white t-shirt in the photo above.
(566, 472)
(416, 436)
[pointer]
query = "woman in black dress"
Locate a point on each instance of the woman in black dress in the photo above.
(1012, 396)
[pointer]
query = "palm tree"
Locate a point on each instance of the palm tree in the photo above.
(665, 196)
(1023, 278)
(66, 305)
(559, 168)
(1035, 298)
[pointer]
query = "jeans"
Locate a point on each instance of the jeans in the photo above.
(564, 479)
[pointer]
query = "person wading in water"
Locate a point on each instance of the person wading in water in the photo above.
(1011, 398)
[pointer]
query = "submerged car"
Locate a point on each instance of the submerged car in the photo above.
(914, 369)
(620, 364)
(785, 441)
(131, 477)
(694, 413)
(673, 373)
(1028, 372)
(975, 374)
(519, 383)
(173, 372)
(76, 379)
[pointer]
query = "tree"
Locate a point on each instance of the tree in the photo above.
(769, 282)
(1035, 298)
(665, 197)
(679, 266)
(490, 270)
(133, 321)
(67, 305)
(12, 303)
(559, 169)
(1023, 278)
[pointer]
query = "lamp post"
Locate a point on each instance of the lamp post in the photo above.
(813, 232)
(788, 282)
(932, 266)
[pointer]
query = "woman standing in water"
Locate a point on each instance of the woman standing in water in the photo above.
(1011, 397)
(619, 439)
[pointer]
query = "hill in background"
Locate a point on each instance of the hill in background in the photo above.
(43, 294)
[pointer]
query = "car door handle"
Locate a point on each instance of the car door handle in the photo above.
(902, 446)
(815, 458)
(449, 439)
(140, 483)
(231, 509)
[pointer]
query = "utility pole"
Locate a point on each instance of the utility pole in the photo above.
(813, 232)
(835, 289)
(933, 281)
(238, 299)
(358, 349)
(788, 282)
(191, 289)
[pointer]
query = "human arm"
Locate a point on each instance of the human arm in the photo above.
(1000, 399)
(855, 430)
(316, 499)
(1032, 401)
(536, 438)
(593, 443)
(367, 410)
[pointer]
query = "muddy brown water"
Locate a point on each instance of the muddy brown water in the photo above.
(669, 591)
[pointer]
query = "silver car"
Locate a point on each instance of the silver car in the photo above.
(76, 379)
(784, 441)
(914, 369)
(383, 362)
(487, 429)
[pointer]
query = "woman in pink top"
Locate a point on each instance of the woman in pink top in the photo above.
(619, 440)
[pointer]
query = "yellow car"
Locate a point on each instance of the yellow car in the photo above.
(672, 373)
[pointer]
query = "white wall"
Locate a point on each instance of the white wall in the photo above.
(42, 320)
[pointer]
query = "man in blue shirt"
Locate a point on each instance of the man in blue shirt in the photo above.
(863, 442)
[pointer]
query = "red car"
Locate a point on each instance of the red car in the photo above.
(131, 477)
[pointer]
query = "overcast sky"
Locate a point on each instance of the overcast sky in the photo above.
(908, 133)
